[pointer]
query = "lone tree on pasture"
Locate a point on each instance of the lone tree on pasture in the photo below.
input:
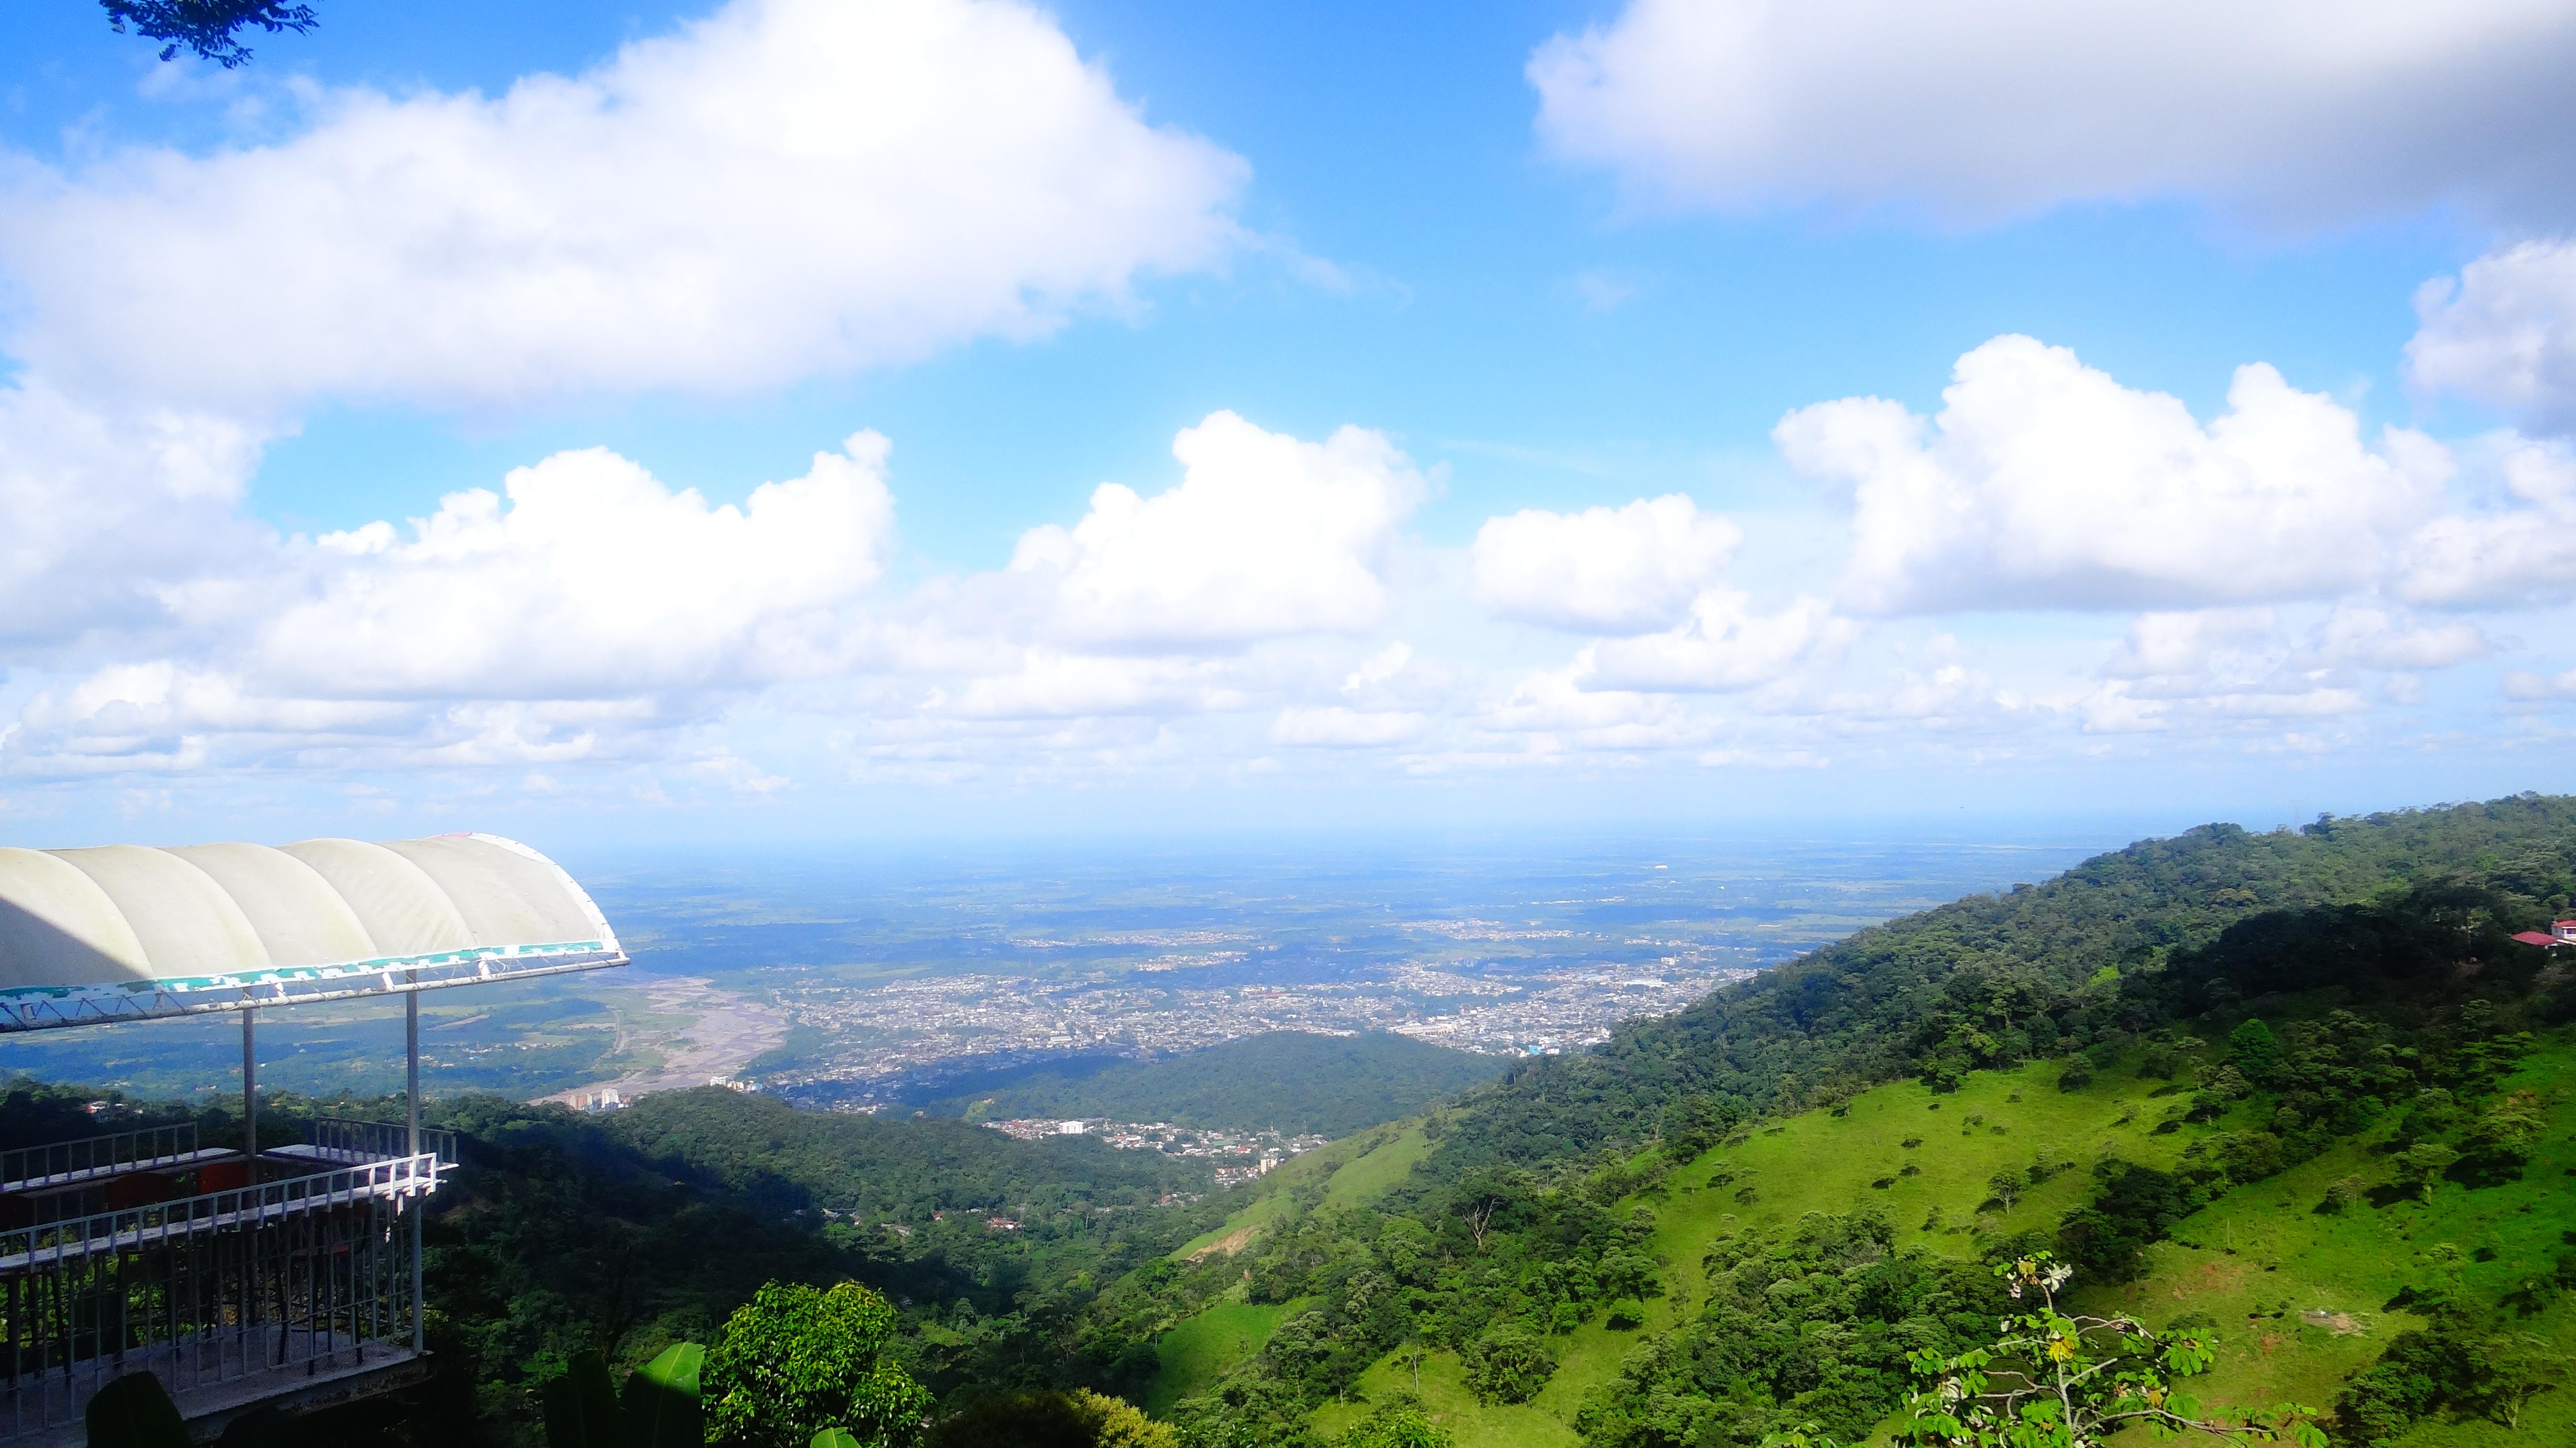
(2007, 1187)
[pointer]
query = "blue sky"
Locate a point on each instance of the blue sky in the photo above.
(253, 313)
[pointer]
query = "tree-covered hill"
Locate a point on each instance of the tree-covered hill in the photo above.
(1291, 1081)
(2334, 1021)
(896, 1169)
(1994, 979)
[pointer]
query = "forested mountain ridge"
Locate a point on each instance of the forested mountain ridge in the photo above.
(1992, 979)
(2343, 1000)
(1293, 1081)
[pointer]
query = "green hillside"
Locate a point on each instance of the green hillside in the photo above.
(2298, 1297)
(1990, 980)
(1291, 1081)
(2299, 1093)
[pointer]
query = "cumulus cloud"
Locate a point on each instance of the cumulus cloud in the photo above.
(1604, 571)
(1378, 668)
(2108, 708)
(1725, 644)
(2503, 332)
(1266, 535)
(784, 188)
(160, 716)
(2373, 637)
(2297, 113)
(2244, 663)
(1054, 684)
(2528, 687)
(2520, 554)
(1339, 728)
(108, 514)
(2044, 483)
(590, 579)
(2178, 643)
(1557, 706)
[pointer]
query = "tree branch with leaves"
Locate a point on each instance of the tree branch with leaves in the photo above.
(2060, 1380)
(2054, 1379)
(209, 28)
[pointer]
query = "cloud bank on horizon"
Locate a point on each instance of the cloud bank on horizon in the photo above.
(2049, 566)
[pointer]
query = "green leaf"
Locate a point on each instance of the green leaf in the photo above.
(581, 1407)
(662, 1406)
(833, 1438)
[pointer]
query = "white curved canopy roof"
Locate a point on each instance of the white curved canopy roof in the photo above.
(123, 931)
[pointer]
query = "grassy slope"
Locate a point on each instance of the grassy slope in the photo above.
(1817, 1162)
(1352, 1171)
(1383, 1164)
(1197, 1352)
(2260, 1257)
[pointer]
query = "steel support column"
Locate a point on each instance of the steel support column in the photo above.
(250, 1095)
(419, 1205)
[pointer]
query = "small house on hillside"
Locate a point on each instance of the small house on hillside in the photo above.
(240, 1276)
(2560, 932)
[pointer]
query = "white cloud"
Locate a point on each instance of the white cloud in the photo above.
(740, 775)
(2516, 555)
(1379, 667)
(2108, 708)
(592, 580)
(1723, 645)
(106, 513)
(785, 188)
(1051, 684)
(1265, 536)
(1927, 689)
(2220, 664)
(2292, 704)
(2503, 332)
(2179, 643)
(2043, 483)
(2302, 112)
(2374, 637)
(1559, 704)
(2529, 687)
(1339, 728)
(1604, 571)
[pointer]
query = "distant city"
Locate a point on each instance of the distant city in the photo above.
(957, 978)
(895, 1037)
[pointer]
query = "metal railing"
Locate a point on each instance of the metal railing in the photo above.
(278, 1279)
(65, 1162)
(341, 1138)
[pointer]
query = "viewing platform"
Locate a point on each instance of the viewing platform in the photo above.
(245, 1276)
(234, 1281)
